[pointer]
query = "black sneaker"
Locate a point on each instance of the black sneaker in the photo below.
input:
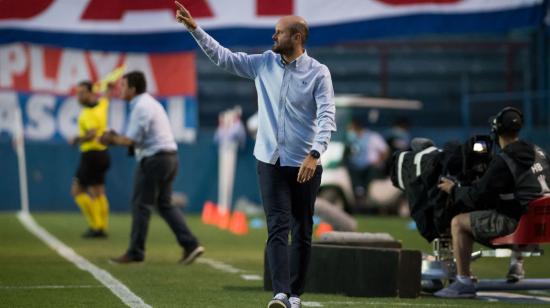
(94, 234)
(189, 256)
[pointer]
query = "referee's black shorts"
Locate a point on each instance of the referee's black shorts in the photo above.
(92, 168)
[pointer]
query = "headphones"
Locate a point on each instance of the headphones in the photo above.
(496, 123)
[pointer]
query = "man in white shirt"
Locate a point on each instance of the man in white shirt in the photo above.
(150, 133)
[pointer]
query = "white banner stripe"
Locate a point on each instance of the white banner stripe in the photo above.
(67, 15)
(115, 286)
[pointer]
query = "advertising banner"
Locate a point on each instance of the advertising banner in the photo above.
(150, 26)
(40, 80)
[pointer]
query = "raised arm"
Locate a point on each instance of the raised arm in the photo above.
(238, 63)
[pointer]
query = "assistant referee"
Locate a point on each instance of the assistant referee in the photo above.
(88, 187)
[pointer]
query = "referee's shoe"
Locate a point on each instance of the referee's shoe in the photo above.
(91, 233)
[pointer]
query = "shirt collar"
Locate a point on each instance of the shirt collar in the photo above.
(299, 63)
(91, 105)
(135, 100)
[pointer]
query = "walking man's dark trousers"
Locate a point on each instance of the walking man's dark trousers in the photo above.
(153, 190)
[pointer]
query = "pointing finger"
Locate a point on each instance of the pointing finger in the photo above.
(183, 10)
(179, 5)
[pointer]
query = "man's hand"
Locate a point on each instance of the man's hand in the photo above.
(108, 137)
(90, 135)
(307, 169)
(111, 137)
(446, 185)
(184, 17)
(74, 140)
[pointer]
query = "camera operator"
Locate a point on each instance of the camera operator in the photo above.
(515, 176)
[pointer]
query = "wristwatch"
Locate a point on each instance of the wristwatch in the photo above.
(315, 154)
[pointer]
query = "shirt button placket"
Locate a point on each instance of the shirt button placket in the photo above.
(282, 108)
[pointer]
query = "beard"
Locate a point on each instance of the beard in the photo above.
(283, 48)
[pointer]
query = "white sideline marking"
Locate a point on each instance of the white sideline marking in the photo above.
(312, 304)
(502, 296)
(224, 267)
(115, 286)
(47, 287)
(228, 268)
(251, 277)
(539, 292)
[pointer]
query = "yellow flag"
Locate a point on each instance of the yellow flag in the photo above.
(101, 85)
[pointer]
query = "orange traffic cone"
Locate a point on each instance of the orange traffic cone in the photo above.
(238, 224)
(224, 216)
(209, 213)
(323, 228)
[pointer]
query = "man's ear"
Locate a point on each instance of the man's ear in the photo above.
(297, 37)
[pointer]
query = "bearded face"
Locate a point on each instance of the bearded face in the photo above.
(283, 47)
(282, 41)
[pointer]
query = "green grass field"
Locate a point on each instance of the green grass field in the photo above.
(32, 275)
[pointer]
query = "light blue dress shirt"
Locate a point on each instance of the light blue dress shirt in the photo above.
(149, 127)
(295, 101)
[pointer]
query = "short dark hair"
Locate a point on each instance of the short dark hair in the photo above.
(136, 79)
(86, 84)
(300, 27)
(507, 122)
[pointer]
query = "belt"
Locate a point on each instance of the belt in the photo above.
(165, 152)
(157, 155)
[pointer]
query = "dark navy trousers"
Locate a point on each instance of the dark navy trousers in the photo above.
(289, 208)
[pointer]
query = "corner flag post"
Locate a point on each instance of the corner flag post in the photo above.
(19, 142)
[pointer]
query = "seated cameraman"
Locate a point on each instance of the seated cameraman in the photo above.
(515, 176)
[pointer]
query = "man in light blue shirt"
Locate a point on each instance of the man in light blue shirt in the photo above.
(149, 127)
(296, 118)
(150, 133)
